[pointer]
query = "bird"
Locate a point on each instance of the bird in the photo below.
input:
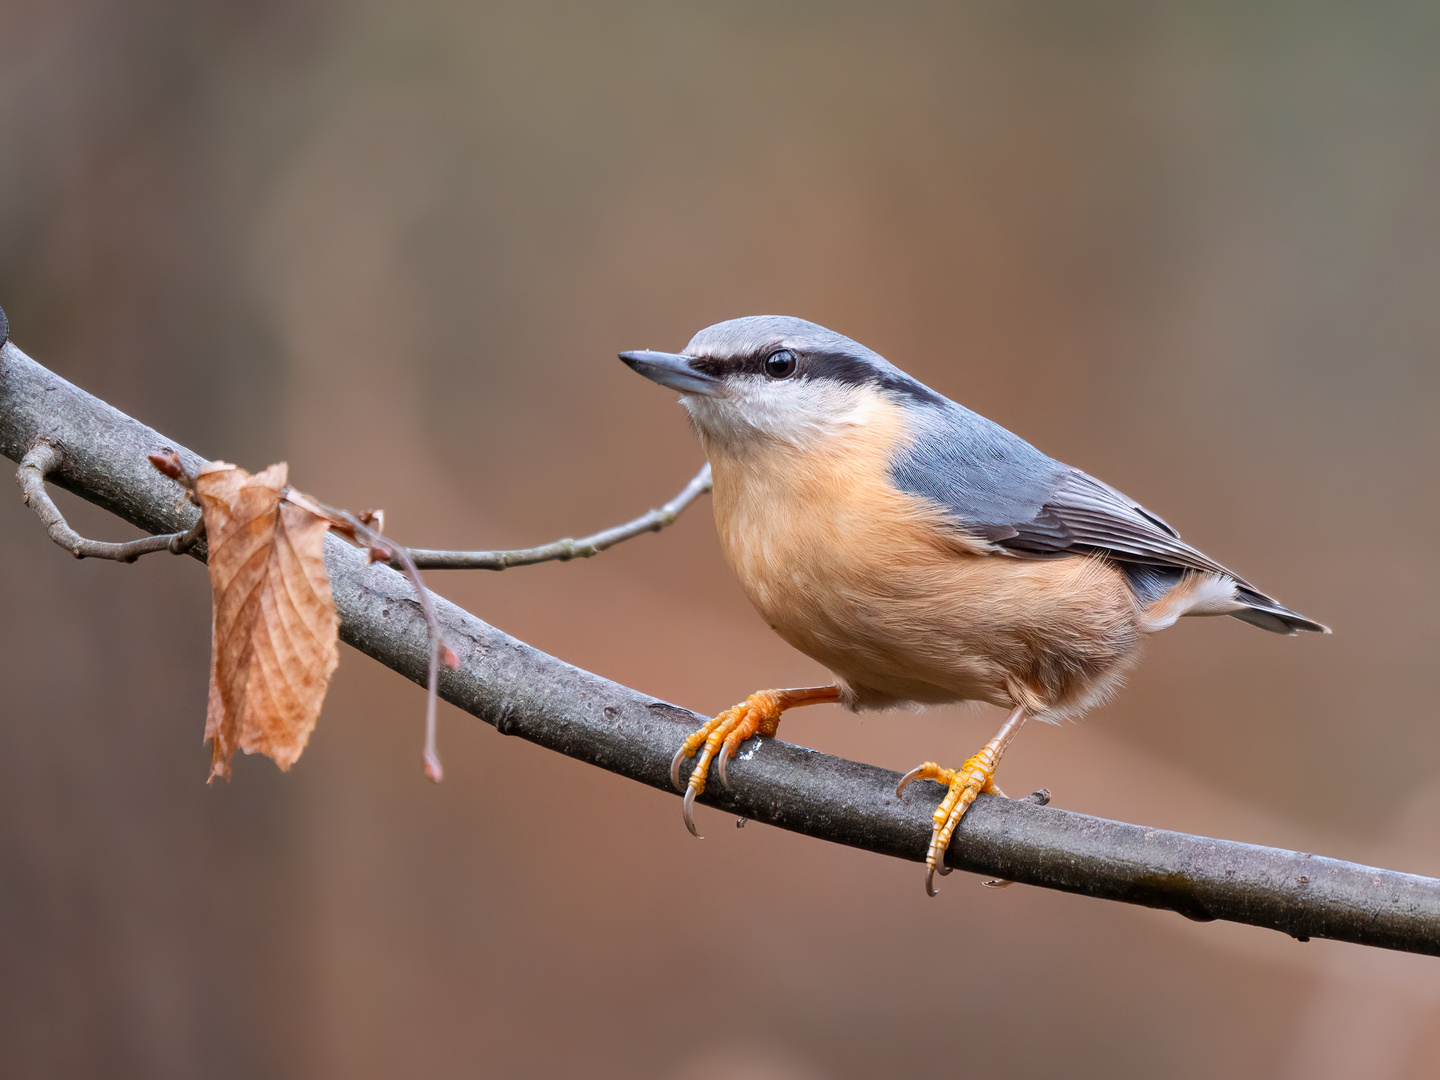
(920, 552)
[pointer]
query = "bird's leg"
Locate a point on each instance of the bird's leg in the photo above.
(759, 714)
(975, 776)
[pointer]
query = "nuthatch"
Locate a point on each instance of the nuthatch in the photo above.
(919, 551)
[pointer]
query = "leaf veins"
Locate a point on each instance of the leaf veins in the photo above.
(274, 626)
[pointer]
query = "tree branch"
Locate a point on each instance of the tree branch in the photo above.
(102, 456)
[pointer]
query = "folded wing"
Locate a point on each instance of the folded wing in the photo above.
(1000, 488)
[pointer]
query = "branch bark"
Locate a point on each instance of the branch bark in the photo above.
(102, 456)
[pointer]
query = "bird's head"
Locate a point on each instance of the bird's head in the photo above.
(769, 377)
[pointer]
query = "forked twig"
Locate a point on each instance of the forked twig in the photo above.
(366, 531)
(43, 458)
(359, 531)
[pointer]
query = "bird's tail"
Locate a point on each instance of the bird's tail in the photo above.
(1166, 593)
(1259, 610)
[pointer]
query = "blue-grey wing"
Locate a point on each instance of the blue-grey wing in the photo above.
(1000, 488)
(1088, 514)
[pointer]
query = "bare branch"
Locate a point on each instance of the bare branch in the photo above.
(524, 692)
(44, 457)
(564, 550)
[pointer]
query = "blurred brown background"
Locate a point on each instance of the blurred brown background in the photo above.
(1193, 248)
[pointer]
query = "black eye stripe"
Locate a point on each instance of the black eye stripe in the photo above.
(851, 370)
(837, 367)
(719, 367)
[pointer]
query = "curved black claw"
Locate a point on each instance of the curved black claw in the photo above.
(680, 756)
(688, 812)
(905, 780)
(930, 889)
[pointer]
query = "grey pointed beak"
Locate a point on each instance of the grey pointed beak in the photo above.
(672, 370)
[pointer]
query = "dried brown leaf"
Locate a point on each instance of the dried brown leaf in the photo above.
(274, 627)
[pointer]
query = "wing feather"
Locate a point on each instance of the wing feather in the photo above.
(1082, 513)
(996, 486)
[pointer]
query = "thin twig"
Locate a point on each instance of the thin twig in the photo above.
(42, 459)
(379, 548)
(412, 560)
(524, 692)
(564, 550)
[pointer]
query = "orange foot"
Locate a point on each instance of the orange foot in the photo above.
(759, 714)
(975, 777)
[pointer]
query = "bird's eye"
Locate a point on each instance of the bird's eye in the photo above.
(780, 364)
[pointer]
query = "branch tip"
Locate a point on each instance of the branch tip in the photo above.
(566, 548)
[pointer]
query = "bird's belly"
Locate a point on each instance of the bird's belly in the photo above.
(880, 587)
(879, 630)
(901, 617)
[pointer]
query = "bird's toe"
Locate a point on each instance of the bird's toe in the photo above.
(963, 786)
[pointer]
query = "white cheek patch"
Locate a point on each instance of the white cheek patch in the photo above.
(799, 411)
